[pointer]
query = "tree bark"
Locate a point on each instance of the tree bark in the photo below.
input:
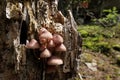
(21, 23)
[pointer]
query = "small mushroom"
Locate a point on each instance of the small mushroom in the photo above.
(61, 48)
(33, 44)
(42, 40)
(51, 44)
(57, 39)
(46, 35)
(45, 54)
(55, 61)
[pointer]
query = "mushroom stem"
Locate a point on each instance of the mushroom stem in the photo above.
(50, 69)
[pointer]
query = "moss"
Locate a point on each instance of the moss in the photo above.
(117, 71)
(88, 44)
(84, 33)
(116, 47)
(117, 57)
(107, 41)
(108, 34)
(108, 77)
(103, 47)
(87, 57)
(100, 39)
(88, 30)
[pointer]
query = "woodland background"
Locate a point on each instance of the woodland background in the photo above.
(96, 42)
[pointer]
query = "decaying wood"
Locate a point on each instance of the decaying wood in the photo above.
(23, 22)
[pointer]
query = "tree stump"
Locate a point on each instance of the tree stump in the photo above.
(21, 21)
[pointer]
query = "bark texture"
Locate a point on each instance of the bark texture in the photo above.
(21, 23)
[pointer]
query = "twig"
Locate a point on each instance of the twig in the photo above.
(80, 76)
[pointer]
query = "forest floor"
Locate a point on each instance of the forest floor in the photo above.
(100, 58)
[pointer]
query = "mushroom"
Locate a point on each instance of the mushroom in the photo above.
(51, 44)
(61, 48)
(55, 61)
(57, 39)
(45, 54)
(33, 44)
(42, 40)
(46, 35)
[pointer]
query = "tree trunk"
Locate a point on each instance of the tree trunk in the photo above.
(21, 22)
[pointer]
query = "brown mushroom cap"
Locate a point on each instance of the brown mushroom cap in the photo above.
(33, 44)
(42, 40)
(51, 44)
(57, 39)
(45, 54)
(55, 61)
(46, 35)
(61, 48)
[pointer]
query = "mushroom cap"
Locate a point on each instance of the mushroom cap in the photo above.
(55, 61)
(46, 35)
(57, 39)
(45, 54)
(51, 44)
(61, 48)
(42, 40)
(33, 44)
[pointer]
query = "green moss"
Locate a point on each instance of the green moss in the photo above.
(84, 33)
(117, 71)
(87, 57)
(108, 77)
(116, 47)
(117, 57)
(100, 39)
(108, 34)
(88, 44)
(103, 47)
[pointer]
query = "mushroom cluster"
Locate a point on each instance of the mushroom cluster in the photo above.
(48, 43)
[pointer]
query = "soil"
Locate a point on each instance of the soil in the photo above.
(107, 67)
